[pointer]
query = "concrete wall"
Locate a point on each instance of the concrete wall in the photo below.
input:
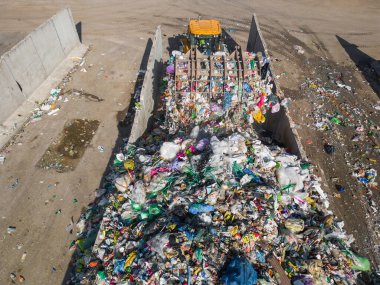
(11, 96)
(66, 31)
(278, 124)
(29, 63)
(149, 90)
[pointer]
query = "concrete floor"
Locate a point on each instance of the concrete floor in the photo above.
(118, 32)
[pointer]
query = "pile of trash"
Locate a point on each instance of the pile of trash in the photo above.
(206, 207)
(184, 212)
(221, 95)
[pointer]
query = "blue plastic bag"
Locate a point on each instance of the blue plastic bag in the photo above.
(246, 87)
(200, 208)
(227, 101)
(119, 266)
(239, 272)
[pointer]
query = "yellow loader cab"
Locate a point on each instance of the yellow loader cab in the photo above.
(205, 34)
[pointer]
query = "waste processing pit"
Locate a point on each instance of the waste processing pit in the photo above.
(200, 199)
(306, 60)
(65, 153)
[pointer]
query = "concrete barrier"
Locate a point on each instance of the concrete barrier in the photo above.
(279, 124)
(66, 31)
(48, 46)
(149, 90)
(25, 67)
(11, 96)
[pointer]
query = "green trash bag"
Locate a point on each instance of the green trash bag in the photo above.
(361, 263)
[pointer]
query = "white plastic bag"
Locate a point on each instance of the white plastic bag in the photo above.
(169, 150)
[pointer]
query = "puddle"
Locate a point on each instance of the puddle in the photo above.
(65, 152)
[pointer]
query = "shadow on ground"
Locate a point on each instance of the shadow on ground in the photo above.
(93, 213)
(363, 63)
(174, 43)
(78, 27)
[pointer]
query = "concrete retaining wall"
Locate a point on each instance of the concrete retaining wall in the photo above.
(29, 63)
(65, 28)
(278, 124)
(149, 90)
(10, 94)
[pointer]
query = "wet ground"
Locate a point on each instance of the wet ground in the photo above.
(65, 152)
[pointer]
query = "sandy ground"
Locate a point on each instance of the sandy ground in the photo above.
(41, 203)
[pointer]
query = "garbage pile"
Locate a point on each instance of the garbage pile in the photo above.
(206, 207)
(223, 92)
(181, 213)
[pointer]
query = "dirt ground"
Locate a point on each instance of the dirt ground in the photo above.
(42, 203)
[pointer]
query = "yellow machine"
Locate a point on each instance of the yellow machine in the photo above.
(205, 34)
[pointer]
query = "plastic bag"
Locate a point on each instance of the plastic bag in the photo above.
(295, 225)
(239, 271)
(122, 182)
(158, 243)
(259, 117)
(202, 144)
(289, 176)
(169, 150)
(361, 263)
(200, 208)
(138, 193)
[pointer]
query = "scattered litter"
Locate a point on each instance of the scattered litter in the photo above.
(299, 49)
(366, 177)
(11, 230)
(340, 188)
(341, 85)
(53, 112)
(70, 228)
(23, 257)
(329, 149)
(100, 148)
(51, 186)
(49, 106)
(13, 185)
(21, 279)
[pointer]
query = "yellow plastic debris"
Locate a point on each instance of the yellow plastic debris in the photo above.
(129, 164)
(130, 259)
(259, 117)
